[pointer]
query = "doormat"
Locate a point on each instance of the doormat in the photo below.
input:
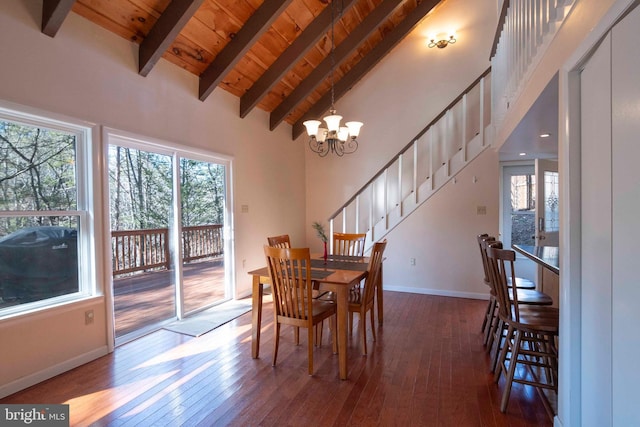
(210, 319)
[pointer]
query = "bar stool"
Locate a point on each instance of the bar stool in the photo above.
(496, 328)
(520, 282)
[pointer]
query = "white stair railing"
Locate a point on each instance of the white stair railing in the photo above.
(453, 139)
(525, 30)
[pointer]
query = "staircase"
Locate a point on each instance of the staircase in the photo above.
(462, 131)
(442, 149)
(524, 32)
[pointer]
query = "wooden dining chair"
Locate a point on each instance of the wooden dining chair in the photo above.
(281, 241)
(532, 330)
(349, 244)
(290, 273)
(362, 300)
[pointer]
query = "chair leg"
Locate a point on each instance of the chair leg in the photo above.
(276, 341)
(373, 322)
(310, 348)
(334, 329)
(296, 335)
(486, 315)
(363, 332)
(497, 336)
(350, 322)
(512, 369)
(490, 319)
(318, 338)
(499, 362)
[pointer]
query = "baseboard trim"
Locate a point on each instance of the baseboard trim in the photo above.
(438, 292)
(51, 371)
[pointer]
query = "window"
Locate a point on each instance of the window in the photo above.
(44, 212)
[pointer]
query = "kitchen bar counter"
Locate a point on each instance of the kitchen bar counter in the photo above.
(547, 256)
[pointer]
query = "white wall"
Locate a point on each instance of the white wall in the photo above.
(441, 236)
(625, 123)
(87, 73)
(596, 272)
(403, 93)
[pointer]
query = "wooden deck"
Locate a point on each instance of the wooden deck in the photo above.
(147, 298)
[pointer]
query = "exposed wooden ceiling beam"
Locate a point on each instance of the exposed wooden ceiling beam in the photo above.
(320, 73)
(288, 59)
(367, 63)
(164, 32)
(54, 13)
(232, 53)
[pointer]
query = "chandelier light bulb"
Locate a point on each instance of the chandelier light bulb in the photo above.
(312, 127)
(322, 135)
(333, 122)
(343, 133)
(354, 128)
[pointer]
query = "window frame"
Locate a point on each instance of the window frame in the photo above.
(87, 153)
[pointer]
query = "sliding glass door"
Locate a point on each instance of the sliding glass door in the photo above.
(168, 218)
(202, 189)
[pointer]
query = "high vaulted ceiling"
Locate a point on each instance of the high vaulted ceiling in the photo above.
(272, 54)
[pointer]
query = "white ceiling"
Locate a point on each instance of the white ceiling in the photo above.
(541, 118)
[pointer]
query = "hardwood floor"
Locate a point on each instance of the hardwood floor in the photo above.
(427, 368)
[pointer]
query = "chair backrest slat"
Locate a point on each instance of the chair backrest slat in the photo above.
(501, 265)
(482, 243)
(349, 244)
(281, 241)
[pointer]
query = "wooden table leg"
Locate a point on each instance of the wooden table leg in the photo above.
(379, 297)
(256, 316)
(342, 308)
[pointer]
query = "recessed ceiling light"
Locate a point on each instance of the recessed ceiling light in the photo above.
(523, 154)
(545, 135)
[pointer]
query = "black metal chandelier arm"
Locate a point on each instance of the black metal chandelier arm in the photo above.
(320, 148)
(349, 146)
(335, 146)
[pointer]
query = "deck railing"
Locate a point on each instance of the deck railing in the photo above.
(142, 250)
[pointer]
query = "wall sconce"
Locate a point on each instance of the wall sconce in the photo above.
(442, 43)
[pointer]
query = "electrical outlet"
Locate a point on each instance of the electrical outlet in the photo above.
(88, 317)
(481, 210)
(412, 261)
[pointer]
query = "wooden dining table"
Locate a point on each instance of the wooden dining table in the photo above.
(338, 274)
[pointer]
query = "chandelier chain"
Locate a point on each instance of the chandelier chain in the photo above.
(334, 138)
(332, 51)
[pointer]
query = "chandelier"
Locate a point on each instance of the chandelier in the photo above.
(336, 139)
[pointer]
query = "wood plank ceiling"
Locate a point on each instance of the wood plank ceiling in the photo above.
(272, 54)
